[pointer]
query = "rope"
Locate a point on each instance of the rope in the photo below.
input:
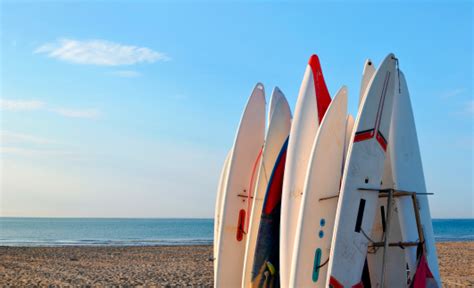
(375, 249)
(368, 238)
(325, 262)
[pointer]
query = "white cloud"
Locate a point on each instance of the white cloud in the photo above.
(453, 93)
(127, 73)
(99, 52)
(28, 152)
(24, 105)
(77, 113)
(20, 105)
(8, 137)
(469, 107)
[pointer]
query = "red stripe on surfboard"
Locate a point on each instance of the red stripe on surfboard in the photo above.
(334, 283)
(358, 285)
(323, 99)
(276, 186)
(382, 141)
(251, 187)
(369, 135)
(364, 136)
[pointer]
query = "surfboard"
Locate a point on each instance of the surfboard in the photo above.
(243, 163)
(319, 200)
(364, 169)
(367, 75)
(396, 265)
(312, 103)
(269, 182)
(219, 198)
(408, 175)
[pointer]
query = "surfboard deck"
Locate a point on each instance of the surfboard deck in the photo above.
(244, 158)
(319, 202)
(276, 137)
(396, 265)
(364, 169)
(408, 176)
(312, 103)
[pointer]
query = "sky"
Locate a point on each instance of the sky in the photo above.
(128, 108)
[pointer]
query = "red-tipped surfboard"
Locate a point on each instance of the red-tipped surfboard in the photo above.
(313, 101)
(238, 190)
(363, 170)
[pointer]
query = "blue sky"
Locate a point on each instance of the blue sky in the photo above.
(128, 109)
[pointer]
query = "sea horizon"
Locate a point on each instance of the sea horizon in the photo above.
(97, 231)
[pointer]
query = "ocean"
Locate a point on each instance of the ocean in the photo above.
(150, 232)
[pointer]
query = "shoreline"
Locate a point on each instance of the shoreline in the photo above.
(171, 265)
(156, 244)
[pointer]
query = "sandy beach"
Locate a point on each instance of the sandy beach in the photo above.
(172, 266)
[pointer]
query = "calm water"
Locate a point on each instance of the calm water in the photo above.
(141, 232)
(117, 232)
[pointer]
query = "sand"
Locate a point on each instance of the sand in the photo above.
(456, 263)
(107, 266)
(161, 266)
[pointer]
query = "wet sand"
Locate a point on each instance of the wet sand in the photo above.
(173, 266)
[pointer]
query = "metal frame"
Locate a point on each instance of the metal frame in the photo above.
(389, 194)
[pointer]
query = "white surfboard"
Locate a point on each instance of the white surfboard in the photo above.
(319, 201)
(367, 75)
(408, 175)
(277, 134)
(364, 169)
(396, 265)
(219, 198)
(312, 103)
(244, 158)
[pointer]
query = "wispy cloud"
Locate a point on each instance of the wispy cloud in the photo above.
(126, 73)
(28, 105)
(77, 113)
(99, 52)
(9, 137)
(452, 93)
(20, 105)
(29, 145)
(469, 107)
(28, 152)
(464, 142)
